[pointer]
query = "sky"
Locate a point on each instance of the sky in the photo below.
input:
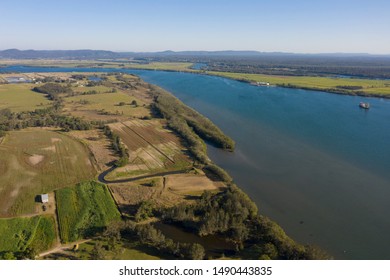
(310, 26)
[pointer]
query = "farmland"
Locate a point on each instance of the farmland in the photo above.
(164, 191)
(84, 210)
(338, 85)
(116, 104)
(98, 144)
(152, 148)
(18, 234)
(34, 161)
(111, 99)
(20, 97)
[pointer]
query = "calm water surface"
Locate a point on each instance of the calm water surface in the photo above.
(312, 161)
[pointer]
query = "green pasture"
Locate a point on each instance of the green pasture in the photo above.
(106, 102)
(84, 210)
(20, 97)
(18, 234)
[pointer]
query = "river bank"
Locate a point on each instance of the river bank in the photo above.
(342, 86)
(312, 161)
(338, 85)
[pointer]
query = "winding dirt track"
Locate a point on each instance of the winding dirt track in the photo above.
(101, 177)
(62, 247)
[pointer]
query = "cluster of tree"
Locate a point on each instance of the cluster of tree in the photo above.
(149, 236)
(94, 83)
(53, 90)
(170, 107)
(232, 214)
(127, 83)
(89, 92)
(144, 211)
(27, 254)
(269, 241)
(225, 213)
(195, 144)
(215, 169)
(117, 146)
(350, 87)
(192, 128)
(48, 117)
(78, 77)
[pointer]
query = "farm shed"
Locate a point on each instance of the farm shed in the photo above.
(44, 198)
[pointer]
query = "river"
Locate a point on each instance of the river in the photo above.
(312, 161)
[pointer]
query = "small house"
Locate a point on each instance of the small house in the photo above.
(44, 198)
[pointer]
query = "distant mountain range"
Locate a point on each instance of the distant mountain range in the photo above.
(101, 54)
(57, 54)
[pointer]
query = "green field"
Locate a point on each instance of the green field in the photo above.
(84, 210)
(35, 161)
(17, 234)
(370, 87)
(107, 102)
(99, 89)
(20, 97)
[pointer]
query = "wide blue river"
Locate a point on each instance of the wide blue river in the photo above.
(312, 161)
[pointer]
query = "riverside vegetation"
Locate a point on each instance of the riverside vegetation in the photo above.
(88, 210)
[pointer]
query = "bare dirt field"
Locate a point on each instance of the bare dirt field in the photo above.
(151, 147)
(163, 191)
(191, 184)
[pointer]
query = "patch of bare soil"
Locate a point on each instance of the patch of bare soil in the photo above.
(50, 149)
(165, 192)
(187, 184)
(35, 159)
(55, 140)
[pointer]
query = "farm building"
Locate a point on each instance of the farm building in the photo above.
(44, 198)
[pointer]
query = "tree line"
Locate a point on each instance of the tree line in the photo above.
(46, 117)
(170, 107)
(117, 146)
(193, 128)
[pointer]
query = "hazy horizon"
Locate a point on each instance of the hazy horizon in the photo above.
(210, 51)
(300, 27)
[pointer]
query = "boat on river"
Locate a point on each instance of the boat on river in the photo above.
(364, 105)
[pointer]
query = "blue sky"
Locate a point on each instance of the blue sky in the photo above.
(314, 26)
